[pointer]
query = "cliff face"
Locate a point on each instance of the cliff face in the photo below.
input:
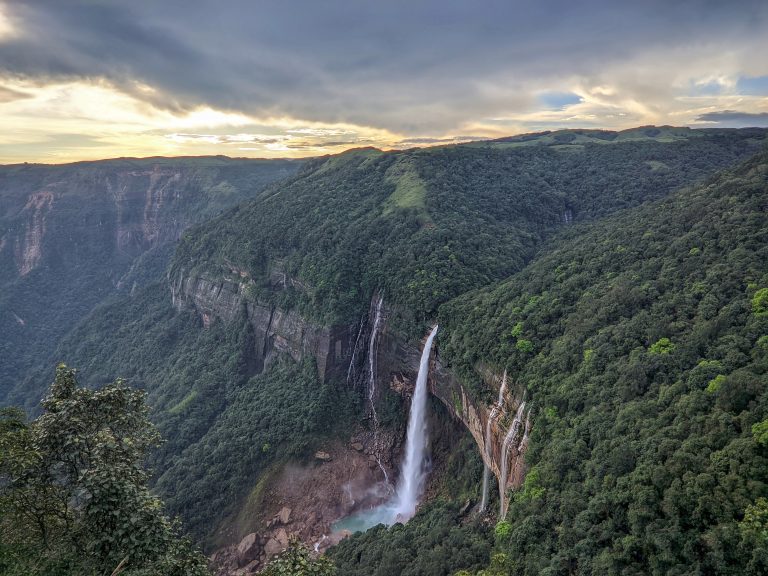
(275, 330)
(491, 427)
(72, 235)
(142, 212)
(28, 244)
(399, 362)
(342, 352)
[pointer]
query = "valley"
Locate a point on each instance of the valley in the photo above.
(598, 377)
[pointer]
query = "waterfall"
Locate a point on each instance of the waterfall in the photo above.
(402, 506)
(372, 382)
(372, 361)
(351, 368)
(508, 439)
(491, 417)
(524, 440)
(486, 482)
(412, 473)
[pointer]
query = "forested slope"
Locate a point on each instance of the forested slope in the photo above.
(75, 234)
(427, 225)
(630, 307)
(642, 341)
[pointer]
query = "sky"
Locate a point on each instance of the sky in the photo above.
(89, 79)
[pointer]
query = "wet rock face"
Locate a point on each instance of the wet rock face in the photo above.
(142, 200)
(398, 364)
(28, 249)
(308, 499)
(475, 417)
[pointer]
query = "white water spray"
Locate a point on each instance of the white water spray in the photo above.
(508, 439)
(491, 417)
(412, 473)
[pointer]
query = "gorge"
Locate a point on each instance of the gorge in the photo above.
(599, 353)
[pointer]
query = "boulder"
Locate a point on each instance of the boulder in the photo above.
(324, 456)
(248, 549)
(284, 515)
(282, 537)
(357, 446)
(272, 547)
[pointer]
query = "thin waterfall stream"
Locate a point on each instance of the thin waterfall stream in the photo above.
(372, 383)
(488, 453)
(512, 433)
(372, 361)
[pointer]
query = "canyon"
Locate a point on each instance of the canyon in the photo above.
(353, 476)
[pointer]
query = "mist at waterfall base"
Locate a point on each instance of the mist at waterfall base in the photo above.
(402, 506)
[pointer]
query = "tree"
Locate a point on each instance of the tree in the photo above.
(73, 494)
(297, 560)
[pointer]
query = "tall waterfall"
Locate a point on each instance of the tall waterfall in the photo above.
(505, 448)
(412, 472)
(402, 505)
(488, 454)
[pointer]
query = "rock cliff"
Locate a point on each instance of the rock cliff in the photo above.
(73, 235)
(275, 330)
(340, 352)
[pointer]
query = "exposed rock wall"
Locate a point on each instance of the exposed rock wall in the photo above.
(29, 245)
(275, 330)
(337, 351)
(398, 363)
(445, 386)
(144, 210)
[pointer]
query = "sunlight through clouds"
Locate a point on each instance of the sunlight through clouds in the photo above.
(89, 80)
(97, 121)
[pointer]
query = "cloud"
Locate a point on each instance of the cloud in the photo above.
(735, 119)
(428, 140)
(225, 138)
(408, 67)
(10, 95)
(431, 69)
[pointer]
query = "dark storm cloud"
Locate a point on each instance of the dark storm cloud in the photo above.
(403, 65)
(736, 119)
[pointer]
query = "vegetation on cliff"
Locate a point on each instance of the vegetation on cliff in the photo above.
(633, 311)
(648, 376)
(74, 235)
(427, 225)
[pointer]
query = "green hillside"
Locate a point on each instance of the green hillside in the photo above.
(427, 225)
(623, 286)
(647, 365)
(73, 235)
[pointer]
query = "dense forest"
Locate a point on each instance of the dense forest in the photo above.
(427, 225)
(648, 369)
(75, 235)
(619, 279)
